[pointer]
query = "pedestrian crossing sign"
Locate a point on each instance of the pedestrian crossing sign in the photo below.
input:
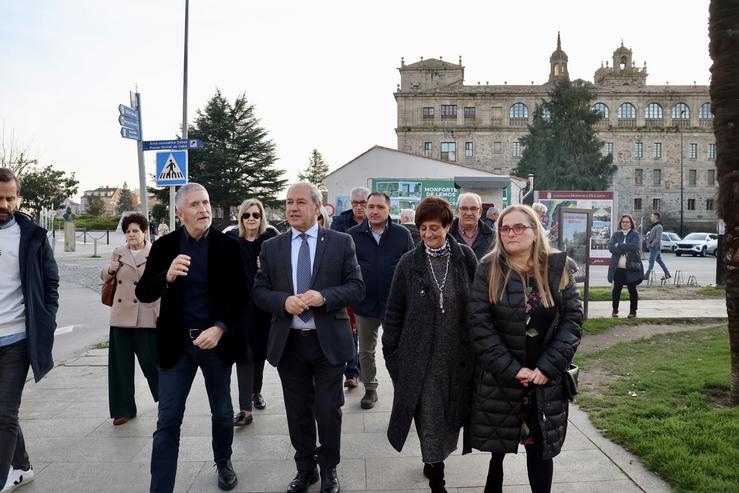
(171, 168)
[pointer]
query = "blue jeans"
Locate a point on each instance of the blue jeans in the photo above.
(655, 254)
(14, 365)
(352, 366)
(174, 386)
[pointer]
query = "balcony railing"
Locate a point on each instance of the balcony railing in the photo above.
(680, 122)
(654, 122)
(705, 123)
(627, 123)
(518, 122)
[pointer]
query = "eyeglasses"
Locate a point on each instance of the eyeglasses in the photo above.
(469, 209)
(516, 228)
(247, 215)
(359, 203)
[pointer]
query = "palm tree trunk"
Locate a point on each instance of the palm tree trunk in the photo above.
(724, 48)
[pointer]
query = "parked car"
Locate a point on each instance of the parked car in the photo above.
(697, 244)
(669, 241)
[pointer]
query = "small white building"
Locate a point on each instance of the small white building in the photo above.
(408, 178)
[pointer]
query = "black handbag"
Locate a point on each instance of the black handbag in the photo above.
(570, 379)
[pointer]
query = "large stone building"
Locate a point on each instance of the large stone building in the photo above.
(660, 136)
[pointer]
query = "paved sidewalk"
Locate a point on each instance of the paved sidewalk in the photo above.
(705, 308)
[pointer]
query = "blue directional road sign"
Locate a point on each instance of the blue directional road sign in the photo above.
(171, 168)
(130, 133)
(127, 122)
(160, 145)
(129, 112)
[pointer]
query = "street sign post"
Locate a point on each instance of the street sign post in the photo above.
(178, 144)
(171, 168)
(130, 133)
(128, 122)
(129, 112)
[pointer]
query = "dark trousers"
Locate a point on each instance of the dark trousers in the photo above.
(249, 374)
(124, 344)
(174, 386)
(353, 367)
(313, 393)
(14, 365)
(539, 471)
(619, 280)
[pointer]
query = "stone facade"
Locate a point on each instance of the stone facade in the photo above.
(481, 126)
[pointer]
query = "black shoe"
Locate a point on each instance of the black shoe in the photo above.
(242, 419)
(427, 470)
(329, 481)
(631, 315)
(369, 399)
(302, 480)
(614, 314)
(258, 401)
(226, 476)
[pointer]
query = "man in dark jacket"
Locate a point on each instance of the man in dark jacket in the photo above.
(654, 243)
(29, 298)
(407, 220)
(195, 270)
(468, 229)
(343, 222)
(380, 243)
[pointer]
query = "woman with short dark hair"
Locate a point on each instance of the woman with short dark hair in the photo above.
(132, 323)
(626, 267)
(425, 340)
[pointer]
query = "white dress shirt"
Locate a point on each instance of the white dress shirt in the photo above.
(312, 239)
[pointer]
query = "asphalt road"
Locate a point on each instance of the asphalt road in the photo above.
(703, 268)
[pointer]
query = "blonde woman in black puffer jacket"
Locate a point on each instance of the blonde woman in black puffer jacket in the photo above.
(525, 323)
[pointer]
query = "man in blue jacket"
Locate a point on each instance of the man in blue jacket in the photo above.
(380, 243)
(29, 298)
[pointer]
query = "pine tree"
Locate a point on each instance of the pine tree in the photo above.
(236, 161)
(125, 200)
(316, 170)
(562, 150)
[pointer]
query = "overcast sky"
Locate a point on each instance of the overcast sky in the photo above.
(321, 74)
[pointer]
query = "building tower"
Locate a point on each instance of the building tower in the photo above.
(558, 63)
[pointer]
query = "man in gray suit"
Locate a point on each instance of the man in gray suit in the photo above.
(306, 279)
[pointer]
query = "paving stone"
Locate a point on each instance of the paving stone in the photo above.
(573, 465)
(357, 446)
(58, 427)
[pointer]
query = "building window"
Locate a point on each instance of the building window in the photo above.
(691, 204)
(469, 112)
(449, 151)
(711, 177)
(516, 149)
(602, 109)
(692, 151)
(428, 112)
(657, 176)
(626, 111)
(608, 149)
(637, 204)
(711, 152)
(546, 112)
(705, 112)
(638, 176)
(657, 150)
(654, 112)
(709, 204)
(428, 149)
(656, 204)
(468, 149)
(680, 111)
(638, 150)
(448, 111)
(692, 177)
(497, 147)
(519, 110)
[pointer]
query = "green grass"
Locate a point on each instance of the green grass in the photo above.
(103, 345)
(602, 293)
(712, 292)
(594, 326)
(661, 410)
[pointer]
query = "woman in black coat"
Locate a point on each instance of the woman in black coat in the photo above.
(426, 341)
(525, 324)
(626, 267)
(253, 231)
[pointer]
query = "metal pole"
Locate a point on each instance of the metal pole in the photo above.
(682, 184)
(184, 112)
(143, 195)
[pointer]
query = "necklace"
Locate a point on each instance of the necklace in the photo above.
(440, 287)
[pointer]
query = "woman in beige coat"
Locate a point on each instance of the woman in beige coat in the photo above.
(132, 324)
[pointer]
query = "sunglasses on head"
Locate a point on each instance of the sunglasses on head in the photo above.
(247, 215)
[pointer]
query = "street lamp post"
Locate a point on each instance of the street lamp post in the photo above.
(682, 185)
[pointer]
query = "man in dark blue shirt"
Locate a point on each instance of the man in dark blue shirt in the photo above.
(196, 271)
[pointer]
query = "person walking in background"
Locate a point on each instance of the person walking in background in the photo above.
(252, 232)
(380, 243)
(426, 341)
(654, 243)
(343, 222)
(162, 229)
(491, 216)
(29, 299)
(407, 219)
(132, 324)
(195, 271)
(323, 220)
(541, 212)
(626, 267)
(525, 325)
(306, 279)
(468, 228)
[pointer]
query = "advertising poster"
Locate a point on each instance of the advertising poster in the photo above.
(601, 204)
(407, 193)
